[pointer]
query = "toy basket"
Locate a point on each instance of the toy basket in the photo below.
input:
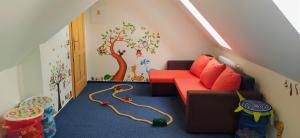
(48, 118)
(50, 130)
(24, 122)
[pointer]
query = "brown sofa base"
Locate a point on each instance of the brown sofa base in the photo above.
(213, 111)
(164, 89)
(208, 112)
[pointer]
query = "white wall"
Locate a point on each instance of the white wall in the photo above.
(271, 84)
(30, 74)
(10, 93)
(179, 37)
(9, 89)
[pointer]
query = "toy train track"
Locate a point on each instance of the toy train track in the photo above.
(118, 88)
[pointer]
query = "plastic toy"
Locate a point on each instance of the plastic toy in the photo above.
(160, 122)
(118, 88)
(24, 122)
(48, 122)
(279, 128)
(255, 108)
(255, 115)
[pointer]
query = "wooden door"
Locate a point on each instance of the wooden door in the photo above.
(78, 55)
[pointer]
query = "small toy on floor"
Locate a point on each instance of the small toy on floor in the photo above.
(159, 122)
(117, 88)
(104, 103)
(127, 99)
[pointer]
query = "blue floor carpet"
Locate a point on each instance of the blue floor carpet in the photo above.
(81, 118)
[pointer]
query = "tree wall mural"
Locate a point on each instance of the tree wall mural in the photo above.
(124, 36)
(58, 77)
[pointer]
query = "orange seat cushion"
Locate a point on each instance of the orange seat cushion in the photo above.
(168, 76)
(199, 64)
(229, 80)
(211, 72)
(183, 85)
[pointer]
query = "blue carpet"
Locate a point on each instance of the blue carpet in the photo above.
(84, 119)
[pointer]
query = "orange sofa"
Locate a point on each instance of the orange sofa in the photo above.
(205, 110)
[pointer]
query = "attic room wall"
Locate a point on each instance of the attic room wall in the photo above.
(26, 24)
(9, 89)
(30, 75)
(271, 84)
(178, 37)
(21, 82)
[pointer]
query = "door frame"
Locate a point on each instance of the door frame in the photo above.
(72, 60)
(74, 93)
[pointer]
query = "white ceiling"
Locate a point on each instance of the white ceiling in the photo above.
(27, 23)
(257, 31)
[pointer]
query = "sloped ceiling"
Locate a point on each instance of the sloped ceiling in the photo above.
(257, 31)
(27, 23)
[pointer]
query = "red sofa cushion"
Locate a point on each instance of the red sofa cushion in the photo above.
(168, 76)
(229, 80)
(183, 85)
(211, 72)
(199, 64)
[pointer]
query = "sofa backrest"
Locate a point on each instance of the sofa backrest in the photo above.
(247, 82)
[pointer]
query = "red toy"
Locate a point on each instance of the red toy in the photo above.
(24, 122)
(104, 103)
(127, 99)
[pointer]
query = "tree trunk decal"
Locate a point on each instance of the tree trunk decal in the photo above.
(120, 74)
(58, 75)
(58, 95)
(123, 36)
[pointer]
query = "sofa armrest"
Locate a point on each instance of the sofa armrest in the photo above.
(213, 111)
(179, 64)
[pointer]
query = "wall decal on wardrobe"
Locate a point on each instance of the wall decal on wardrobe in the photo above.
(125, 39)
(58, 79)
(56, 68)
